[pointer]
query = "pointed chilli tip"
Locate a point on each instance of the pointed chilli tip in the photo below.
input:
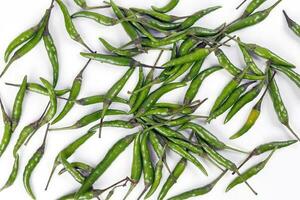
(289, 21)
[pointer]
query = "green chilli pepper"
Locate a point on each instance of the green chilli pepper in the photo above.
(7, 129)
(120, 52)
(111, 155)
(38, 88)
(279, 106)
(90, 118)
(52, 54)
(197, 82)
(134, 96)
(172, 179)
(18, 104)
(191, 20)
(155, 96)
(95, 99)
(230, 101)
(182, 152)
(292, 24)
(30, 44)
(271, 146)
(244, 99)
(31, 165)
(231, 68)
(148, 169)
(101, 19)
(71, 29)
(112, 93)
(19, 40)
(74, 92)
(137, 165)
(252, 6)
(252, 171)
(267, 54)
(251, 20)
(198, 191)
(168, 7)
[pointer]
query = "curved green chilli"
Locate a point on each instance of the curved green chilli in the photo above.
(90, 100)
(120, 52)
(37, 88)
(195, 55)
(157, 176)
(116, 60)
(194, 71)
(74, 92)
(19, 40)
(52, 54)
(243, 100)
(271, 146)
(267, 54)
(187, 145)
(70, 169)
(143, 93)
(89, 118)
(230, 101)
(249, 61)
(129, 29)
(252, 6)
(233, 70)
(196, 83)
(166, 8)
(172, 179)
(71, 29)
(30, 44)
(134, 96)
(148, 169)
(279, 106)
(7, 129)
(251, 20)
(18, 104)
(198, 191)
(157, 15)
(155, 96)
(291, 74)
(227, 90)
(157, 24)
(163, 130)
(111, 155)
(252, 171)
(68, 151)
(53, 103)
(185, 154)
(292, 24)
(31, 165)
(113, 92)
(191, 20)
(254, 113)
(136, 166)
(204, 134)
(101, 19)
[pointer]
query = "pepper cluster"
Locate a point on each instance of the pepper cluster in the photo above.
(163, 126)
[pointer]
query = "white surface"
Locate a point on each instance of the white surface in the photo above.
(279, 180)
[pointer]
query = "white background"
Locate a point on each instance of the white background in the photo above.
(279, 180)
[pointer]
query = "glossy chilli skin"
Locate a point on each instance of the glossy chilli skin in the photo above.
(111, 155)
(292, 75)
(253, 5)
(31, 165)
(252, 171)
(18, 104)
(74, 92)
(101, 19)
(167, 8)
(292, 24)
(52, 54)
(172, 179)
(7, 130)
